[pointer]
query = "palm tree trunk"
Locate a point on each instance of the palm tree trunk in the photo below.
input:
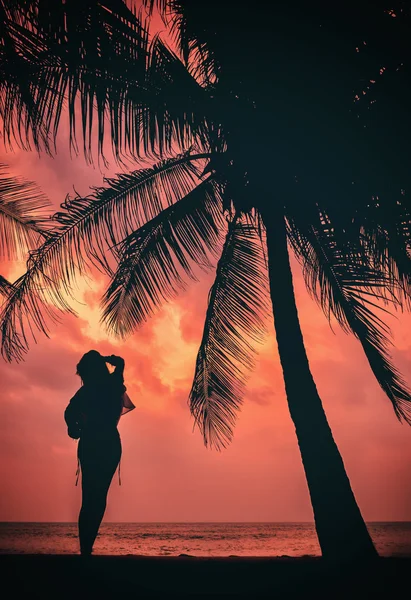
(341, 530)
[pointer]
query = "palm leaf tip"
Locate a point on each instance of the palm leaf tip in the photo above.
(235, 323)
(25, 312)
(23, 215)
(388, 376)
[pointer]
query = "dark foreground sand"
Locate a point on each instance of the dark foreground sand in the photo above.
(62, 576)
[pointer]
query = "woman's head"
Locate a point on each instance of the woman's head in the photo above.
(92, 368)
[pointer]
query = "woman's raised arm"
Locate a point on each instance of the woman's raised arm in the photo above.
(114, 360)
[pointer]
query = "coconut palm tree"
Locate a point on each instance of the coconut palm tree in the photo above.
(263, 143)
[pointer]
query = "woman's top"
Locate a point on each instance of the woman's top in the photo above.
(96, 409)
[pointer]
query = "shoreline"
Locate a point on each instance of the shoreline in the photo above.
(64, 576)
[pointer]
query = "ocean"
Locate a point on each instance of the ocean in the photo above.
(196, 539)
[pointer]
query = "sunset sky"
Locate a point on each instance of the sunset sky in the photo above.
(167, 473)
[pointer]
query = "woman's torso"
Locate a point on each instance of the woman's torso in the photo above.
(99, 407)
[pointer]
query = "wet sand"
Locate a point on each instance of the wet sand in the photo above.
(67, 576)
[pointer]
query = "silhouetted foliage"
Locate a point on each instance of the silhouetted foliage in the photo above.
(291, 120)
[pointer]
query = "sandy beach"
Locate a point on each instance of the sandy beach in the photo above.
(40, 576)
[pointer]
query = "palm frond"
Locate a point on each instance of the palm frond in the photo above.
(379, 222)
(194, 46)
(81, 236)
(155, 258)
(347, 284)
(170, 117)
(238, 303)
(22, 216)
(385, 225)
(63, 49)
(97, 58)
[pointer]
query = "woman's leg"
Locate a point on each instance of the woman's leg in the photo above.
(91, 513)
(98, 468)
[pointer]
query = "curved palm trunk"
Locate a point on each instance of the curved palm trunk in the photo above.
(341, 530)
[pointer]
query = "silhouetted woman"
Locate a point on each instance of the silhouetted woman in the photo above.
(92, 415)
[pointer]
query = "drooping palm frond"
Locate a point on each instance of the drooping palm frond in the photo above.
(81, 235)
(374, 210)
(22, 216)
(194, 46)
(57, 50)
(155, 258)
(238, 303)
(347, 284)
(96, 57)
(385, 226)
